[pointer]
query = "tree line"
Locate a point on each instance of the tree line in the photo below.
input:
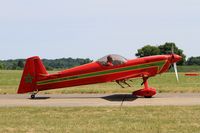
(64, 63)
(50, 64)
(166, 48)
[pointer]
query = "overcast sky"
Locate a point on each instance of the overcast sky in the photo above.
(94, 28)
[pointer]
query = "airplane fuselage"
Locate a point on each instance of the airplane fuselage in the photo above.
(96, 73)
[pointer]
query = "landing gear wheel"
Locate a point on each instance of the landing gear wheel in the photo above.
(33, 96)
(146, 92)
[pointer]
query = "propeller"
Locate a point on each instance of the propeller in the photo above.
(174, 65)
(176, 72)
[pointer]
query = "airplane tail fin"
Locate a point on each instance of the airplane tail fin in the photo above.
(32, 70)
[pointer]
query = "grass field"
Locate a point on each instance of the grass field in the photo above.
(159, 119)
(168, 119)
(9, 81)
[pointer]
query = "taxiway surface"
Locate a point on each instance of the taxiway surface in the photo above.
(79, 100)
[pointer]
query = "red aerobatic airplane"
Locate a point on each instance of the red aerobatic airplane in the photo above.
(107, 69)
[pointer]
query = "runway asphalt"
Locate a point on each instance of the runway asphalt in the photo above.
(96, 100)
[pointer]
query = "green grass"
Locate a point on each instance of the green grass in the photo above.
(188, 68)
(169, 119)
(9, 81)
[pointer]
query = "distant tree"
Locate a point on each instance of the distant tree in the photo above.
(48, 68)
(14, 66)
(193, 61)
(20, 64)
(148, 50)
(1, 65)
(50, 64)
(167, 49)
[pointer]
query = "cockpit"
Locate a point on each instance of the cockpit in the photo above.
(112, 60)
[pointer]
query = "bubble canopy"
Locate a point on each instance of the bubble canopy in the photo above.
(116, 60)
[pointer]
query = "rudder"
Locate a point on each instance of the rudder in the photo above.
(32, 70)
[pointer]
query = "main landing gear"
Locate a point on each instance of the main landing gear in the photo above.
(120, 82)
(146, 91)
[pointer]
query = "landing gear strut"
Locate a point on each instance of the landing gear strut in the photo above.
(146, 92)
(123, 82)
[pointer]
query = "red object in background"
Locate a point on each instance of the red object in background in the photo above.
(192, 74)
(35, 77)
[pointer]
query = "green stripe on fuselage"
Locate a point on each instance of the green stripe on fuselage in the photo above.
(159, 64)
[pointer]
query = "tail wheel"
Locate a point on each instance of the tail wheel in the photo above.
(33, 96)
